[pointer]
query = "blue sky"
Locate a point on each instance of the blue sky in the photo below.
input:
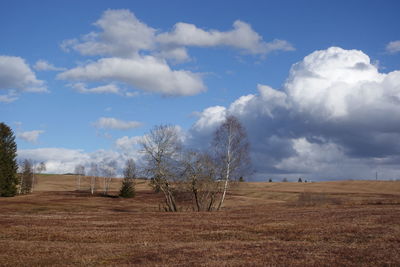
(54, 100)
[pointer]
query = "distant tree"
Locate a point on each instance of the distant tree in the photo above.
(36, 169)
(94, 173)
(270, 180)
(26, 175)
(284, 180)
(241, 179)
(231, 150)
(161, 148)
(108, 169)
(8, 163)
(305, 180)
(129, 182)
(300, 180)
(41, 168)
(79, 172)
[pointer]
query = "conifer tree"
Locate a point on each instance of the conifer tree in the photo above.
(128, 184)
(8, 164)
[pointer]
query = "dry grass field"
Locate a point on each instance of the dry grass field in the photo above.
(344, 223)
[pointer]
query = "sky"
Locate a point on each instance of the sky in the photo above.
(316, 84)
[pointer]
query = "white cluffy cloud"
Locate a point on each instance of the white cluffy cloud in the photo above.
(137, 55)
(121, 35)
(16, 76)
(43, 65)
(241, 37)
(393, 47)
(113, 123)
(30, 136)
(336, 116)
(143, 72)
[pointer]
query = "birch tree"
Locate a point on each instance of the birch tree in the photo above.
(108, 169)
(161, 148)
(231, 151)
(41, 167)
(33, 178)
(94, 173)
(79, 172)
(36, 169)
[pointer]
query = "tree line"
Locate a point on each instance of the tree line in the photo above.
(199, 178)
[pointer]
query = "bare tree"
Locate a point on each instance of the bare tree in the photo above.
(108, 169)
(161, 147)
(129, 181)
(94, 173)
(199, 178)
(26, 180)
(231, 152)
(79, 172)
(36, 169)
(41, 168)
(33, 178)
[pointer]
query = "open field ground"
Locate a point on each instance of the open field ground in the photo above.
(321, 224)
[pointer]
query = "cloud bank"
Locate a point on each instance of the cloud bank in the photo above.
(336, 116)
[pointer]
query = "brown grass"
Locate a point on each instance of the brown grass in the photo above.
(262, 224)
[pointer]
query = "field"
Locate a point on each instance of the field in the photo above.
(348, 223)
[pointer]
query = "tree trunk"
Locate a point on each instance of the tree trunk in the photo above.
(33, 181)
(223, 194)
(92, 184)
(228, 168)
(210, 206)
(196, 197)
(21, 184)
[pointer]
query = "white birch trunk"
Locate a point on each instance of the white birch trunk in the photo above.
(228, 168)
(33, 180)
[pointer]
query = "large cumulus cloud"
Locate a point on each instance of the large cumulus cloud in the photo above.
(336, 116)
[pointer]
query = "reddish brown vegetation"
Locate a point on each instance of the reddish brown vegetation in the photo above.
(270, 225)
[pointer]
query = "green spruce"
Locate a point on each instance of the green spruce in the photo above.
(8, 163)
(128, 184)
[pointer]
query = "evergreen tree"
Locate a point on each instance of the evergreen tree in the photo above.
(8, 164)
(128, 184)
(127, 189)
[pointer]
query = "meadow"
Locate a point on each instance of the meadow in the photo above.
(348, 223)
